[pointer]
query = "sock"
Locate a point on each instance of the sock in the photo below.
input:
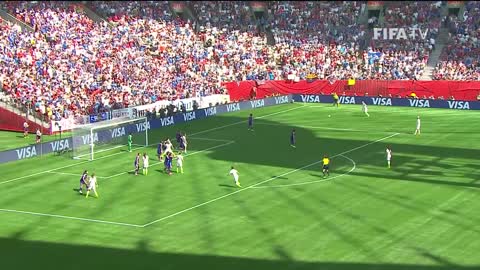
(177, 170)
(88, 192)
(181, 170)
(146, 171)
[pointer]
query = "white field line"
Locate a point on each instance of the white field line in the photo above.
(240, 122)
(315, 181)
(74, 174)
(100, 151)
(59, 168)
(209, 139)
(96, 220)
(107, 156)
(73, 218)
(111, 148)
(314, 127)
(262, 182)
(156, 163)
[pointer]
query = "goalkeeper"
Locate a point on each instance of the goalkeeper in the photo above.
(130, 142)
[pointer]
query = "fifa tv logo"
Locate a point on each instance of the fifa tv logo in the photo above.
(399, 33)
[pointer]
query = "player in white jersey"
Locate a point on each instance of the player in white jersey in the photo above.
(234, 173)
(25, 129)
(184, 142)
(168, 147)
(417, 130)
(145, 164)
(180, 162)
(38, 136)
(92, 185)
(365, 109)
(389, 155)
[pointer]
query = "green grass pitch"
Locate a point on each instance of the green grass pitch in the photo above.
(12, 140)
(420, 214)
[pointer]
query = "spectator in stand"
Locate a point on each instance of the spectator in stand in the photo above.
(71, 66)
(460, 59)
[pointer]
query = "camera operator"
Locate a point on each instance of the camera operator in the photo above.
(195, 105)
(162, 112)
(170, 110)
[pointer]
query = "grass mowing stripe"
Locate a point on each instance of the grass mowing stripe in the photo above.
(264, 181)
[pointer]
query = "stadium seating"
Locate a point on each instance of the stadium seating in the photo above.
(70, 65)
(461, 57)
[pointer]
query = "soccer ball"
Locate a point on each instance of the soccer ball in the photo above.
(329, 115)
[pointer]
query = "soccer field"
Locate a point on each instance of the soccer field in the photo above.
(420, 214)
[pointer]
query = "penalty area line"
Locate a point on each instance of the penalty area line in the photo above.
(209, 139)
(187, 155)
(240, 122)
(107, 156)
(263, 182)
(72, 218)
(63, 167)
(73, 174)
(315, 181)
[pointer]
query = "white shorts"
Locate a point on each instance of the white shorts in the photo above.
(389, 158)
(235, 178)
(92, 188)
(145, 166)
(179, 164)
(418, 127)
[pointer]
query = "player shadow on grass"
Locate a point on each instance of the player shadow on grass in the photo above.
(226, 185)
(77, 191)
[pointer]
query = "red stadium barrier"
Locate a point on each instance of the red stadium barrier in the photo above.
(14, 122)
(460, 90)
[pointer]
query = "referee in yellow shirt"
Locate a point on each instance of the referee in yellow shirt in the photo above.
(326, 164)
(335, 99)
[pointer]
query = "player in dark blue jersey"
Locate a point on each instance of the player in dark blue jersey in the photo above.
(178, 136)
(250, 122)
(181, 145)
(159, 151)
(293, 139)
(165, 163)
(137, 163)
(168, 163)
(83, 181)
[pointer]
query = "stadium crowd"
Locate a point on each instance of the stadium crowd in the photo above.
(461, 57)
(70, 65)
